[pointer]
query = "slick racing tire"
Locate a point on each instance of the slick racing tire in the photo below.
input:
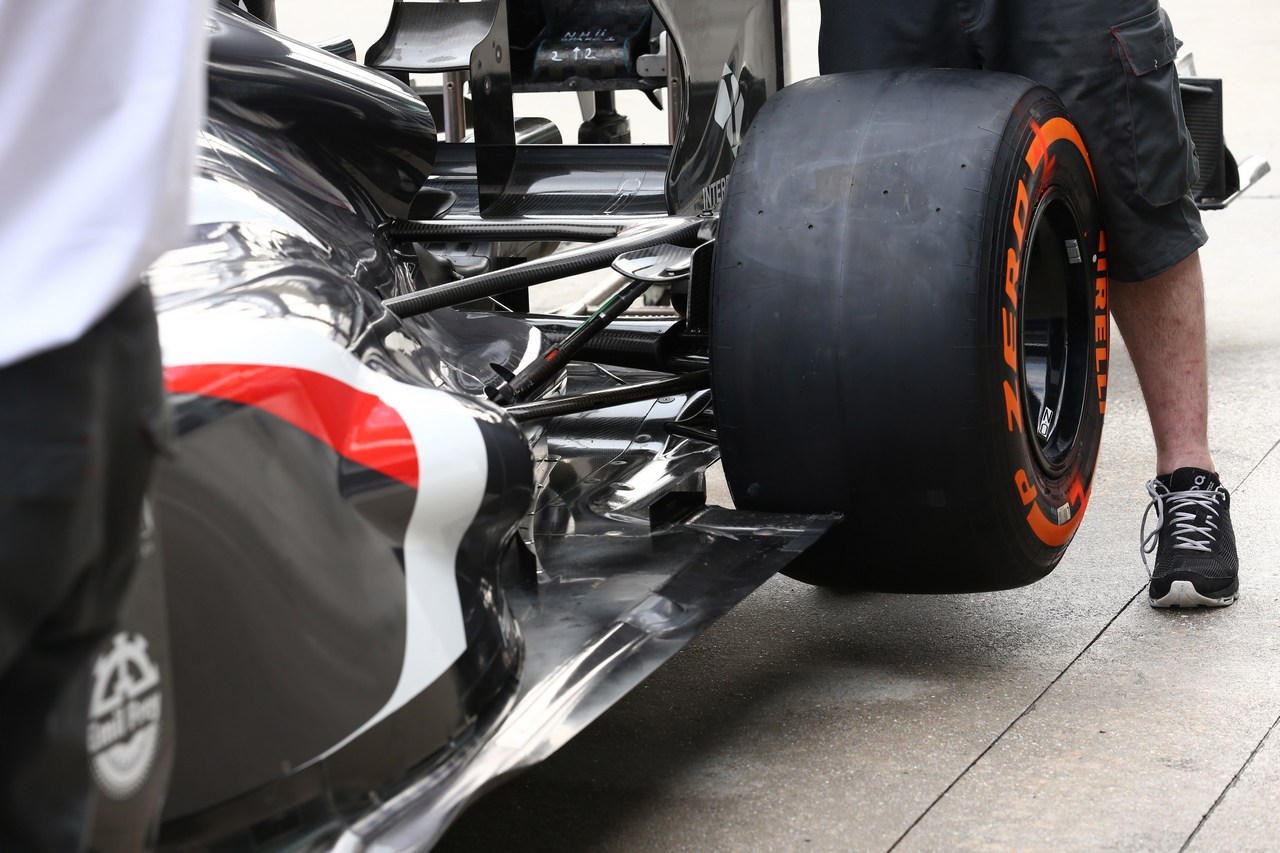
(909, 326)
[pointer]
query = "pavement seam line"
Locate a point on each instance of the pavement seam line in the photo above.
(1261, 743)
(1204, 818)
(1258, 464)
(1234, 779)
(1027, 710)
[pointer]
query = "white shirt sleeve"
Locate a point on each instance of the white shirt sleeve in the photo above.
(100, 104)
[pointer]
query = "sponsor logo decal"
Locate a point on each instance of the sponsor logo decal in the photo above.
(123, 735)
(713, 194)
(1046, 421)
(1101, 322)
(729, 108)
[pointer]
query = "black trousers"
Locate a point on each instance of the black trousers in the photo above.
(78, 433)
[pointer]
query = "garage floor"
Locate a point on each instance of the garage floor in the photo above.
(1065, 716)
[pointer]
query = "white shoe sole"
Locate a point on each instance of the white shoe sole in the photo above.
(1183, 594)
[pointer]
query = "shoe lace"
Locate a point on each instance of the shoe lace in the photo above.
(1193, 514)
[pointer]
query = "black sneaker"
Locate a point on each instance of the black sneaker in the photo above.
(1195, 548)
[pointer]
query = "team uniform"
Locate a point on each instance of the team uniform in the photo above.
(100, 101)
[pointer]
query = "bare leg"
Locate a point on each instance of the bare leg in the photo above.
(1162, 321)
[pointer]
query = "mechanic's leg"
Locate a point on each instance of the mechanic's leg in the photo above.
(1144, 167)
(1163, 324)
(75, 457)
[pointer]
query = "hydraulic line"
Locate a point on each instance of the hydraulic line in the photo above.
(611, 397)
(437, 231)
(583, 259)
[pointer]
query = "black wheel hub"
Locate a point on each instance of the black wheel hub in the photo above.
(1055, 334)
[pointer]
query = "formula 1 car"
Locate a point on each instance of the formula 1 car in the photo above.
(411, 537)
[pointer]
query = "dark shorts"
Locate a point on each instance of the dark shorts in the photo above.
(1111, 62)
(79, 426)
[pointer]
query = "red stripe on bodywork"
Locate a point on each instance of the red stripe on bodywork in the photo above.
(359, 426)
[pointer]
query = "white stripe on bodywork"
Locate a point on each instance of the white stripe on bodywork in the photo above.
(452, 472)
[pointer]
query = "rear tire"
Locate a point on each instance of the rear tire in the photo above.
(910, 325)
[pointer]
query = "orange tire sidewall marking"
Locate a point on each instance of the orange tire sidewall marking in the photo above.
(1054, 130)
(1044, 136)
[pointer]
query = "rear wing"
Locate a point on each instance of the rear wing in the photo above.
(1222, 177)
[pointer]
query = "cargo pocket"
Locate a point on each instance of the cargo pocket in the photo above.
(1157, 156)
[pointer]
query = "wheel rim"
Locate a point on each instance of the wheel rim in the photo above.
(1055, 334)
